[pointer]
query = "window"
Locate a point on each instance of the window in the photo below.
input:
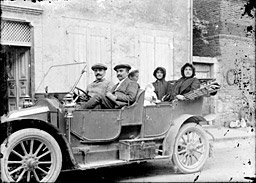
(206, 68)
(15, 33)
(203, 70)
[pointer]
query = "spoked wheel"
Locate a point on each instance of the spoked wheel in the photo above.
(191, 148)
(30, 155)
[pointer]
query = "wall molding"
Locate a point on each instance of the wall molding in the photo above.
(211, 60)
(21, 9)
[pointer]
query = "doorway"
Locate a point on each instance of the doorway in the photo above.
(16, 71)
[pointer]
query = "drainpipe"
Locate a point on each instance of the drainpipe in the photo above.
(190, 31)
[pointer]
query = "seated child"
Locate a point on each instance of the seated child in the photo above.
(150, 96)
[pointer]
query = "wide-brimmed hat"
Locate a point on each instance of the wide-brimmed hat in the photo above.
(127, 66)
(99, 66)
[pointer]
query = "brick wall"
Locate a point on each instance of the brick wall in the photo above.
(234, 48)
(237, 78)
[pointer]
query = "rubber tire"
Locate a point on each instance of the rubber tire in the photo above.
(29, 133)
(175, 159)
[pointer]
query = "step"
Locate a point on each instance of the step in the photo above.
(100, 164)
(108, 163)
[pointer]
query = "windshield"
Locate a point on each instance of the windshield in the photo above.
(61, 78)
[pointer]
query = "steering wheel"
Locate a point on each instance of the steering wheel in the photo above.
(81, 97)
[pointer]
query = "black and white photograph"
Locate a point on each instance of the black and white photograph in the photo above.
(127, 91)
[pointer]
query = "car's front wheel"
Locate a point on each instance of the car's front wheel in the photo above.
(191, 148)
(30, 155)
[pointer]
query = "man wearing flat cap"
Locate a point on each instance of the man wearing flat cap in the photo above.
(122, 94)
(100, 85)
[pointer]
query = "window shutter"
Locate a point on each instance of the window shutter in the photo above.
(155, 51)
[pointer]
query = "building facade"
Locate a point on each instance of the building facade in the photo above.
(231, 40)
(47, 44)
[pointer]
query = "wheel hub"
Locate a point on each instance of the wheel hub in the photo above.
(30, 163)
(190, 148)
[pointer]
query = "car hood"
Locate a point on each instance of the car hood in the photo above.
(25, 112)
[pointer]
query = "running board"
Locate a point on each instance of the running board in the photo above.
(108, 163)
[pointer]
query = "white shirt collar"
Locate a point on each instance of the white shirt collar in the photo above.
(120, 82)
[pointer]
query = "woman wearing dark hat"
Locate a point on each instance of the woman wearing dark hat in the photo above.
(160, 84)
(187, 82)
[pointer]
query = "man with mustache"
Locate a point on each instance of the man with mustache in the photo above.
(122, 94)
(100, 85)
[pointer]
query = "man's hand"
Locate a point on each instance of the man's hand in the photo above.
(180, 97)
(111, 96)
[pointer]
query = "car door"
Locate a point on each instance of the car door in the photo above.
(96, 125)
(157, 120)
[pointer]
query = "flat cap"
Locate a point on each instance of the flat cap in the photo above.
(99, 66)
(127, 66)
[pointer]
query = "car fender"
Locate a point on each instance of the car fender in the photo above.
(170, 137)
(13, 125)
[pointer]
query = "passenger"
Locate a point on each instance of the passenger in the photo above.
(169, 91)
(160, 84)
(134, 76)
(150, 95)
(186, 83)
(123, 93)
(100, 85)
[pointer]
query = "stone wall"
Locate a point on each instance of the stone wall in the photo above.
(234, 47)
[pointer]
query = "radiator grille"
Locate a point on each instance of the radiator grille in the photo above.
(12, 31)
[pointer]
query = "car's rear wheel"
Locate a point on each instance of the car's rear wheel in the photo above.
(191, 148)
(30, 155)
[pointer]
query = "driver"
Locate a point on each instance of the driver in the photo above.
(122, 94)
(101, 85)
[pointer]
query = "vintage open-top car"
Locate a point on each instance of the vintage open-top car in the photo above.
(52, 136)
